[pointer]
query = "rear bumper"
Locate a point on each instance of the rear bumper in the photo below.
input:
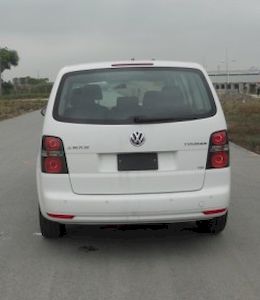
(56, 196)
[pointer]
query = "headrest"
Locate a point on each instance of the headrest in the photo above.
(173, 98)
(151, 97)
(125, 102)
(92, 92)
(75, 93)
(172, 91)
(75, 97)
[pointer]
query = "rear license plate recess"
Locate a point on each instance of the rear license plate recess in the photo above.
(137, 161)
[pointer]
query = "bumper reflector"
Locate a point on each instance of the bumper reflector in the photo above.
(215, 211)
(59, 216)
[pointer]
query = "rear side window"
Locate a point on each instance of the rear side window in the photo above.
(131, 95)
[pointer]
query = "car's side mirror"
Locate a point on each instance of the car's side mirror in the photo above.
(43, 111)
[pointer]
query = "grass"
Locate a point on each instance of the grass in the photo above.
(25, 96)
(243, 118)
(13, 108)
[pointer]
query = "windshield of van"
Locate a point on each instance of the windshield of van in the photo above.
(133, 95)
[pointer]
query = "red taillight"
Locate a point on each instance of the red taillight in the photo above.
(218, 155)
(219, 159)
(60, 216)
(219, 138)
(53, 156)
(53, 164)
(52, 143)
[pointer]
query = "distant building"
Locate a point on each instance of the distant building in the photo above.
(246, 82)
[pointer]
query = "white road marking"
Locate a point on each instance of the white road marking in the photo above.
(37, 234)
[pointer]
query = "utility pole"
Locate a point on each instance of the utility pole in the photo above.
(227, 65)
(0, 74)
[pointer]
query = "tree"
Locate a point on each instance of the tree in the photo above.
(8, 58)
(7, 87)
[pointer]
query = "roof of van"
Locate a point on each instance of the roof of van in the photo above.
(131, 63)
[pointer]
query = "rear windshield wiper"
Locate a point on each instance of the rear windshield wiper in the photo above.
(143, 119)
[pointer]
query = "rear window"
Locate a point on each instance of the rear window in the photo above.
(133, 95)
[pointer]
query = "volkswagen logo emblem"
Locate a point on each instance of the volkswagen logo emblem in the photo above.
(137, 138)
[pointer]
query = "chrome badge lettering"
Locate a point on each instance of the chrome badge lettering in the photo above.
(80, 147)
(195, 144)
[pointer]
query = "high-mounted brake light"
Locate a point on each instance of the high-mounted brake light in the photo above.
(53, 156)
(218, 154)
(119, 65)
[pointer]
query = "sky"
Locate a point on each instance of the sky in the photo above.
(49, 34)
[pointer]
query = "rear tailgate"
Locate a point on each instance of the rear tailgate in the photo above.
(181, 149)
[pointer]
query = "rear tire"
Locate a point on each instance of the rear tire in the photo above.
(215, 225)
(51, 229)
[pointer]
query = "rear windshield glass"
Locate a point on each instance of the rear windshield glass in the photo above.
(133, 95)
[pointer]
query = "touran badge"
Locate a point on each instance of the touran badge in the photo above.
(137, 138)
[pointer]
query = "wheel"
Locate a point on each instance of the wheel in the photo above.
(51, 229)
(215, 225)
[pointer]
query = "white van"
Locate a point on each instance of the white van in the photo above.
(133, 142)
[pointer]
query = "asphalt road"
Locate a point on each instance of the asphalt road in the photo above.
(94, 263)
